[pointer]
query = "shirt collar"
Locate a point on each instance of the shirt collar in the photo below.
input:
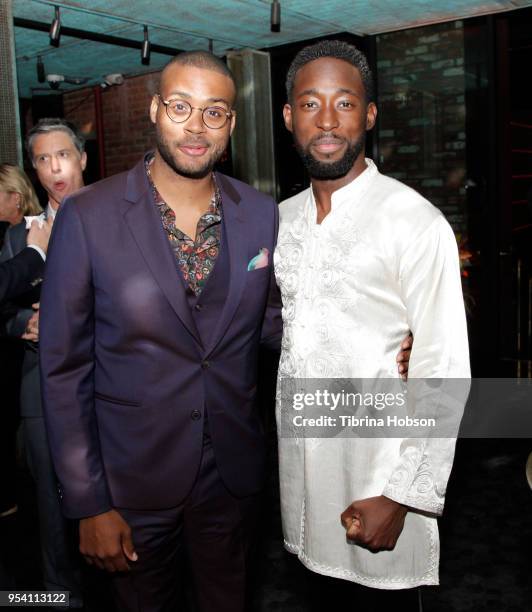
(50, 211)
(352, 192)
(216, 200)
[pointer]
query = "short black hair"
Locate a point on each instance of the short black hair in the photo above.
(202, 59)
(55, 124)
(336, 49)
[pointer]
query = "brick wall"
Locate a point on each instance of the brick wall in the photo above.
(128, 132)
(78, 107)
(421, 124)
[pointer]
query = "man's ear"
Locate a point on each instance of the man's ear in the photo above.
(287, 114)
(83, 161)
(371, 116)
(233, 122)
(154, 106)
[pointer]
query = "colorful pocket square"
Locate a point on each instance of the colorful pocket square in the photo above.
(260, 260)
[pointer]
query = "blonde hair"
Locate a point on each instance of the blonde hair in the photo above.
(14, 180)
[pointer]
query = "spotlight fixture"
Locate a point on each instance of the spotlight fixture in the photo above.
(112, 79)
(275, 17)
(55, 29)
(55, 80)
(41, 74)
(145, 51)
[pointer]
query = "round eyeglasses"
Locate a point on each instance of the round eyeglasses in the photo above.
(214, 117)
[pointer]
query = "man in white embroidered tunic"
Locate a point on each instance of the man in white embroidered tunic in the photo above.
(361, 258)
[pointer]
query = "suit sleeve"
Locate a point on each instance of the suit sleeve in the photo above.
(16, 317)
(272, 325)
(67, 367)
(439, 373)
(18, 274)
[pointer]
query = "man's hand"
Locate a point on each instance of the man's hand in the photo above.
(374, 523)
(32, 326)
(105, 541)
(403, 356)
(39, 236)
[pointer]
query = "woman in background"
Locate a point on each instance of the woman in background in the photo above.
(17, 196)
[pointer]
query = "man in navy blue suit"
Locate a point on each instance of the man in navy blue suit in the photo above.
(159, 290)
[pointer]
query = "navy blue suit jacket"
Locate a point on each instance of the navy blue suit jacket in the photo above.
(124, 370)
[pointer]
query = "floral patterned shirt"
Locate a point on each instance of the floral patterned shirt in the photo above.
(195, 257)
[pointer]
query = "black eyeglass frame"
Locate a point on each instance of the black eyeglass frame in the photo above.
(228, 114)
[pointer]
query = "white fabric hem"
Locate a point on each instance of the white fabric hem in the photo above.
(391, 584)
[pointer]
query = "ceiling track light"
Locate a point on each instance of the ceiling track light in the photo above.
(145, 50)
(55, 29)
(275, 16)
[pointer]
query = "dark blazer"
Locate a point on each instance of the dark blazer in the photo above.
(126, 377)
(19, 274)
(20, 313)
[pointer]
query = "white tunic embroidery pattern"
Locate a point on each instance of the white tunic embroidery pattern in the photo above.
(382, 262)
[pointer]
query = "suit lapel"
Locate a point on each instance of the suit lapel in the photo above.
(235, 239)
(142, 218)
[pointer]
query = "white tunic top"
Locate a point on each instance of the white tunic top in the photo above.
(383, 261)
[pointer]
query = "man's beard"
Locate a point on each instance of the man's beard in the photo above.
(193, 173)
(330, 170)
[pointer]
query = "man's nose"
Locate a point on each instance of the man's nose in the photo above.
(327, 117)
(195, 122)
(55, 164)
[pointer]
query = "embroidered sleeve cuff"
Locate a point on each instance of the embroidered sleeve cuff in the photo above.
(431, 504)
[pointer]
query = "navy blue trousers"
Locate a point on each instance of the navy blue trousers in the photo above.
(211, 531)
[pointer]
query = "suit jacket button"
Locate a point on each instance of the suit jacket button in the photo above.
(195, 415)
(205, 365)
(198, 307)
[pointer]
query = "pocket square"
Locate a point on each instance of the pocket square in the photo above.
(260, 260)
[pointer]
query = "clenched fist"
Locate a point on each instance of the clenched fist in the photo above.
(374, 523)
